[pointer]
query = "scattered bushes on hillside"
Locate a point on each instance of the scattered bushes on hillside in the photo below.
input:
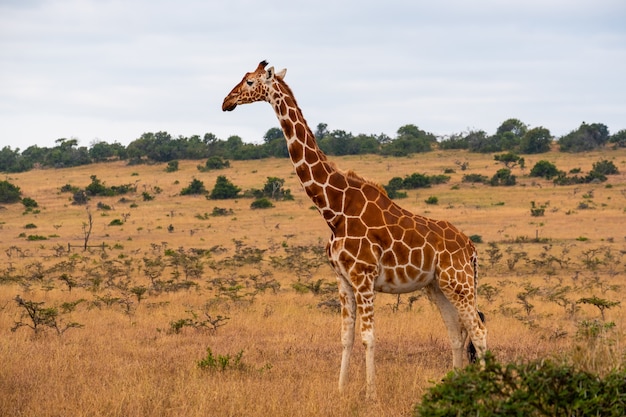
(598, 173)
(413, 181)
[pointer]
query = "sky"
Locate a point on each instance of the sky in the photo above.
(109, 70)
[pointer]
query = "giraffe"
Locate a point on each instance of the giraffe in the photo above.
(375, 245)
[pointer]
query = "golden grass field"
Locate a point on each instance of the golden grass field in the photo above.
(127, 360)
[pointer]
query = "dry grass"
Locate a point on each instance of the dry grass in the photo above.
(130, 363)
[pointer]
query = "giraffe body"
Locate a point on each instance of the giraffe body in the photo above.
(375, 245)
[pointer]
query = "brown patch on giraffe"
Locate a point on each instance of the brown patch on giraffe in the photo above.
(338, 180)
(356, 226)
(335, 198)
(287, 128)
(310, 156)
(407, 223)
(352, 246)
(372, 216)
(319, 173)
(355, 200)
(296, 151)
(303, 173)
(282, 108)
(371, 192)
(402, 252)
(293, 115)
(367, 255)
(300, 130)
(388, 258)
(315, 192)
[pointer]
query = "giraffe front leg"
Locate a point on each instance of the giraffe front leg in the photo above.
(348, 316)
(365, 307)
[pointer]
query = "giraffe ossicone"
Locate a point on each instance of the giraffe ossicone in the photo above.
(375, 245)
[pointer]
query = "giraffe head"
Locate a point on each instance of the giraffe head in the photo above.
(254, 86)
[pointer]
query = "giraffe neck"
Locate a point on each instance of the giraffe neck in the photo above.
(311, 165)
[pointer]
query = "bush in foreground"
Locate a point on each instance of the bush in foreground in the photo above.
(539, 388)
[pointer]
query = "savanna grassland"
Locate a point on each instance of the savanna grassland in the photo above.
(185, 306)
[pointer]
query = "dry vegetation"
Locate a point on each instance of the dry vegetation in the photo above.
(133, 321)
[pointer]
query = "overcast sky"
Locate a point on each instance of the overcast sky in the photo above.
(111, 70)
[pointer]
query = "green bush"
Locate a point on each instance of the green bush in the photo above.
(503, 177)
(604, 167)
(195, 187)
(224, 189)
(9, 193)
(261, 203)
(475, 178)
(172, 166)
(432, 200)
(544, 169)
(29, 203)
(539, 388)
(214, 162)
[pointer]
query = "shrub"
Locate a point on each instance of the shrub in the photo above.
(475, 178)
(68, 188)
(80, 197)
(29, 203)
(214, 162)
(221, 362)
(432, 200)
(273, 188)
(503, 177)
(540, 388)
(604, 167)
(261, 203)
(476, 238)
(195, 187)
(544, 169)
(224, 189)
(9, 193)
(172, 166)
(116, 222)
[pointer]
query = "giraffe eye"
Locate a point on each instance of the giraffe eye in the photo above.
(249, 82)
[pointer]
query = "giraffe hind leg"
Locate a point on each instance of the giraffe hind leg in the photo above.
(450, 316)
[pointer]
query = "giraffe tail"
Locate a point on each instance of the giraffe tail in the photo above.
(471, 349)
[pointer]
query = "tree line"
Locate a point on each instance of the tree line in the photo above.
(512, 136)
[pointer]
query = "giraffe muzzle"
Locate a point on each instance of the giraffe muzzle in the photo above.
(229, 104)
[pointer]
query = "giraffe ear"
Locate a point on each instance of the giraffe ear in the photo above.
(281, 74)
(272, 73)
